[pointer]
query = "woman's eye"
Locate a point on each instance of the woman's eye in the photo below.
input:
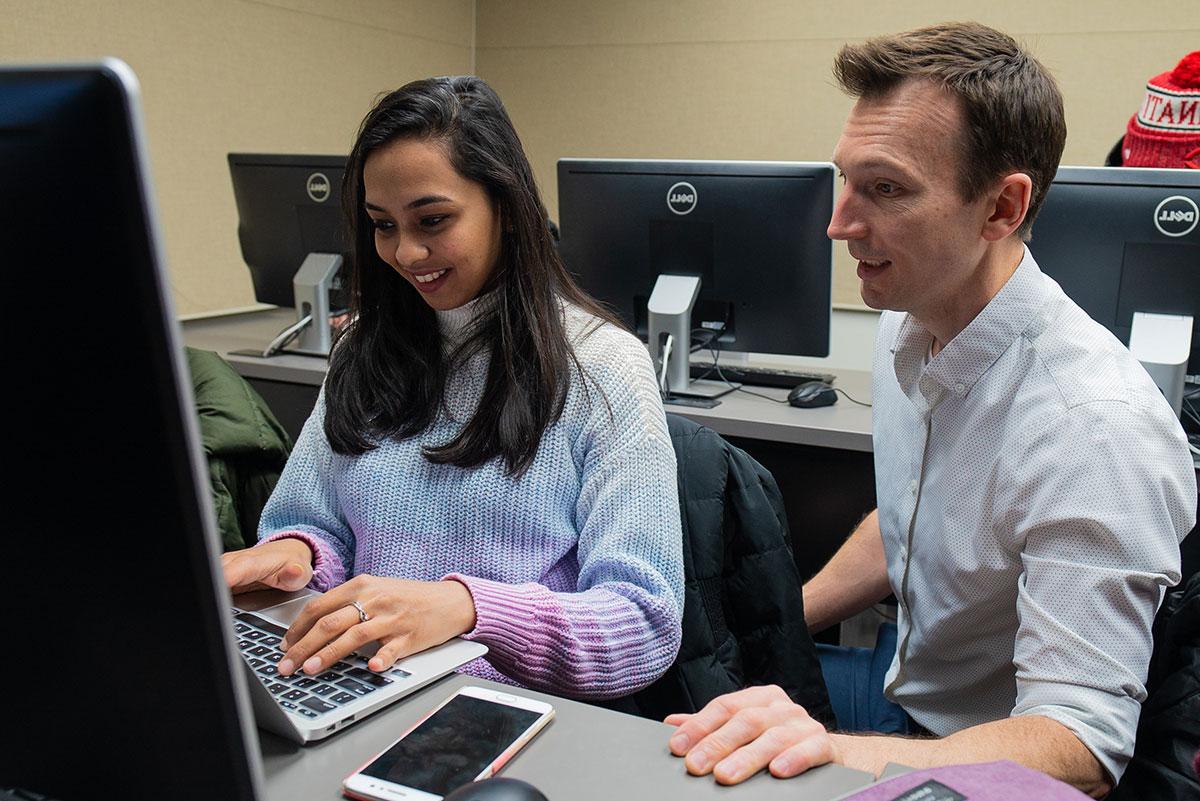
(382, 225)
(433, 221)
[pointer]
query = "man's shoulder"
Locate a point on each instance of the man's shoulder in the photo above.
(1088, 365)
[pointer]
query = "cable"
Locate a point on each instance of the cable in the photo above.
(716, 356)
(664, 384)
(284, 338)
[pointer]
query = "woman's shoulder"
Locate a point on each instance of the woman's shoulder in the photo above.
(594, 337)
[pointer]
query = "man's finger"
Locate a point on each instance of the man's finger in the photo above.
(804, 755)
(744, 726)
(716, 712)
(759, 752)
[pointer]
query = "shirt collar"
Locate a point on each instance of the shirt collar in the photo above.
(964, 360)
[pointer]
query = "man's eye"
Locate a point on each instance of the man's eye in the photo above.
(884, 188)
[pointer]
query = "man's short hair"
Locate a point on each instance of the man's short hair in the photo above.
(1012, 108)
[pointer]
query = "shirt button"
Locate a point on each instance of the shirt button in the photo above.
(960, 388)
(912, 486)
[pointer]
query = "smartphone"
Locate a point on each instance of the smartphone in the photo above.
(469, 737)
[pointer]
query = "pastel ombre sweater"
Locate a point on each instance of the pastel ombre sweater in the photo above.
(575, 567)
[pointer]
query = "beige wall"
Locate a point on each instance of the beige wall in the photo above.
(275, 76)
(719, 79)
(749, 79)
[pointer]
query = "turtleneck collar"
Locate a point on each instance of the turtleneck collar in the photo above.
(454, 323)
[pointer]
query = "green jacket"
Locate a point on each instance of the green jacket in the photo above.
(245, 445)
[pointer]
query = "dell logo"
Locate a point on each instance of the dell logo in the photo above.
(1176, 216)
(681, 198)
(317, 187)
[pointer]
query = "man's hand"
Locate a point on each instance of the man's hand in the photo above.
(739, 734)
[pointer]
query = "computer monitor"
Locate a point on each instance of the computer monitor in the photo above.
(292, 235)
(1125, 240)
(753, 232)
(118, 669)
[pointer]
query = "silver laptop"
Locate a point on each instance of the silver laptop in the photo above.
(304, 708)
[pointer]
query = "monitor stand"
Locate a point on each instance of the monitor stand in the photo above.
(1162, 343)
(670, 323)
(310, 289)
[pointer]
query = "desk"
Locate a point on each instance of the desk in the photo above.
(821, 458)
(585, 754)
(844, 425)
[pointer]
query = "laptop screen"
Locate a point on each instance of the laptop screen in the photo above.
(117, 671)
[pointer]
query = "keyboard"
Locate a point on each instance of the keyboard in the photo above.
(301, 694)
(760, 376)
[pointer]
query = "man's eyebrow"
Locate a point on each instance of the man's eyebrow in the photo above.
(877, 162)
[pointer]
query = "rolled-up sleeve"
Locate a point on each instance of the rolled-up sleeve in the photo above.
(1102, 546)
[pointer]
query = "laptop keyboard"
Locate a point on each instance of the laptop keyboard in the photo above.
(301, 694)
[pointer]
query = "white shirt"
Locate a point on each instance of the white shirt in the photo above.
(1033, 488)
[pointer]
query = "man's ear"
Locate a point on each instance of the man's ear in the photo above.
(1009, 205)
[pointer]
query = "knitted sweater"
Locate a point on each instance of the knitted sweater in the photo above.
(575, 567)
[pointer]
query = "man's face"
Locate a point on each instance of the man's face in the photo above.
(917, 242)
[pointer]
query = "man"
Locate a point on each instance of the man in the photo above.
(1033, 485)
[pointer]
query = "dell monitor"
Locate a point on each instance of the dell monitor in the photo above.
(292, 236)
(119, 659)
(722, 254)
(1124, 244)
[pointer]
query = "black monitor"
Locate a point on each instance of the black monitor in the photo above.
(118, 659)
(1124, 240)
(754, 232)
(289, 206)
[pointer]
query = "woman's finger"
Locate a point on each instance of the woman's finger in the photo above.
(325, 630)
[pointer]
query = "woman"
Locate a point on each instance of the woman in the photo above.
(489, 456)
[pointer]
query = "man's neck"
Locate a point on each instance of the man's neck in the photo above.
(998, 264)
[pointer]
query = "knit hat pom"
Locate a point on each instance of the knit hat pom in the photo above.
(1165, 132)
(1187, 72)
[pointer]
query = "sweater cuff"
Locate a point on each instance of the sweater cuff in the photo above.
(497, 606)
(327, 568)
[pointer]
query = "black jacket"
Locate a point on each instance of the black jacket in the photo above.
(743, 616)
(1168, 734)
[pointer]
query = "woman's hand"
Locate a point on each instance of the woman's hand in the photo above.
(284, 564)
(403, 616)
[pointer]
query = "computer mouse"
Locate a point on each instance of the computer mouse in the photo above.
(812, 394)
(497, 788)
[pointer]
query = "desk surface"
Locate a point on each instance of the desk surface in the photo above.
(585, 754)
(845, 426)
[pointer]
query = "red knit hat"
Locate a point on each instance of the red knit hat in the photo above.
(1166, 130)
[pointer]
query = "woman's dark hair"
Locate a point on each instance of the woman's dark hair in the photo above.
(388, 370)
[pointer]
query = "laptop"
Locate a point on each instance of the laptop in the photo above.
(122, 664)
(304, 708)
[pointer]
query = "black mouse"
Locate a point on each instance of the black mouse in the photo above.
(497, 789)
(812, 394)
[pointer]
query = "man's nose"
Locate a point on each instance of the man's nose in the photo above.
(846, 222)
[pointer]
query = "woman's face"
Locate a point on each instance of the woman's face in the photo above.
(437, 229)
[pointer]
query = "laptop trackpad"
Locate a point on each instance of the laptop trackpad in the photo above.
(285, 611)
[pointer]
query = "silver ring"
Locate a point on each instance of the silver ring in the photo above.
(363, 617)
